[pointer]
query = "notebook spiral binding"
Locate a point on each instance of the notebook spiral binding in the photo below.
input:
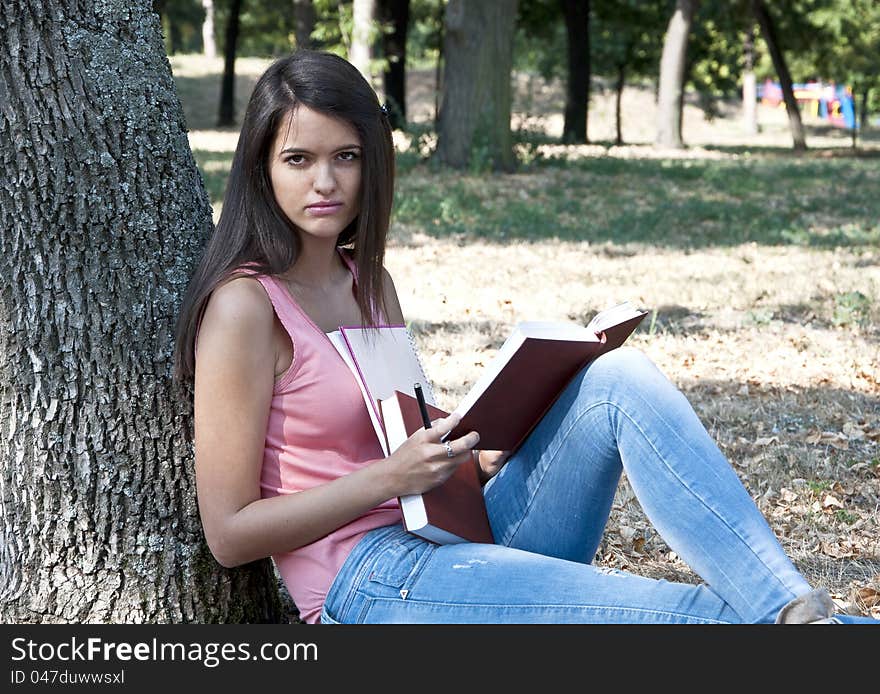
(415, 348)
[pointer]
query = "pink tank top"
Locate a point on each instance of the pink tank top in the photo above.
(319, 429)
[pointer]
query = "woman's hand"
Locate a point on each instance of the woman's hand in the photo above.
(422, 463)
(490, 462)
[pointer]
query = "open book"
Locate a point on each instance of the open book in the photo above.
(524, 379)
(530, 371)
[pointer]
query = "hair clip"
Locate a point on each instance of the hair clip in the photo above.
(384, 109)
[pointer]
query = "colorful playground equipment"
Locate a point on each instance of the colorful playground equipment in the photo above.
(826, 101)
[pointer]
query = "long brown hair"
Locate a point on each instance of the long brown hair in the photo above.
(253, 230)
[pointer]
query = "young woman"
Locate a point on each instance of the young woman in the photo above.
(287, 463)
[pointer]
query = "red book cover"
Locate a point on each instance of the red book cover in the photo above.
(454, 511)
(529, 379)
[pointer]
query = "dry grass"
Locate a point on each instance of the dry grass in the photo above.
(752, 334)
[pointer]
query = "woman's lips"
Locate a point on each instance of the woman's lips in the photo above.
(320, 209)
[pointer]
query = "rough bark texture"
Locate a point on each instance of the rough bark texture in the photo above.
(102, 215)
(577, 95)
(474, 123)
(768, 31)
(672, 70)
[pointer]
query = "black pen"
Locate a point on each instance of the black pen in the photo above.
(422, 406)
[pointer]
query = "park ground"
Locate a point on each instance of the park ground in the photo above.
(759, 268)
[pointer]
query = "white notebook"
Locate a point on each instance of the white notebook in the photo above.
(383, 359)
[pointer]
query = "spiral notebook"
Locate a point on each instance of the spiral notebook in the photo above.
(383, 359)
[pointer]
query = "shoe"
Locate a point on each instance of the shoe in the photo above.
(815, 607)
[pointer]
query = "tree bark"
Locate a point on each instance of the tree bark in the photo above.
(577, 95)
(768, 31)
(304, 22)
(361, 52)
(226, 116)
(102, 215)
(672, 69)
(395, 12)
(209, 45)
(474, 123)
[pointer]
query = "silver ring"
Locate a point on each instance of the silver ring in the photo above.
(449, 453)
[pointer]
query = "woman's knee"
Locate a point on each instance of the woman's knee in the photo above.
(623, 363)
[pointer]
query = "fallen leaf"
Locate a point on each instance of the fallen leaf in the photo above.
(813, 437)
(787, 495)
(766, 440)
(831, 501)
(868, 596)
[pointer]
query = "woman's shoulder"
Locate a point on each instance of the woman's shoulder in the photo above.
(240, 301)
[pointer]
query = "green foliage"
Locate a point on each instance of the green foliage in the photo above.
(425, 32)
(851, 309)
(540, 41)
(628, 34)
(182, 25)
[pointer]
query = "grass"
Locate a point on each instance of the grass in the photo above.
(761, 269)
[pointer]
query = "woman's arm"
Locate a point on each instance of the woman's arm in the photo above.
(489, 462)
(233, 389)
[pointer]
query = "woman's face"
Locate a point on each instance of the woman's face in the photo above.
(315, 169)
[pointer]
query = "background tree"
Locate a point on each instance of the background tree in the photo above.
(768, 31)
(102, 215)
(626, 44)
(577, 93)
(849, 52)
(304, 23)
(182, 22)
(749, 84)
(361, 50)
(474, 123)
(208, 42)
(226, 115)
(672, 72)
(394, 15)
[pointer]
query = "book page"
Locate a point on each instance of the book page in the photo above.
(612, 316)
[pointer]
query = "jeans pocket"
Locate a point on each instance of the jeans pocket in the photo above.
(394, 565)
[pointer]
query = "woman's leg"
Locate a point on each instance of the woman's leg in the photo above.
(392, 576)
(553, 496)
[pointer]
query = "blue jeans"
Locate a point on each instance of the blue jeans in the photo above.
(548, 507)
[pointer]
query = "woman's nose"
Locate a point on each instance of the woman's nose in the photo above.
(325, 179)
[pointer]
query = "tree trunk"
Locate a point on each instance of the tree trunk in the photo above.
(672, 68)
(395, 12)
(438, 68)
(102, 215)
(577, 96)
(360, 53)
(304, 22)
(226, 117)
(618, 102)
(749, 88)
(768, 31)
(209, 45)
(474, 124)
